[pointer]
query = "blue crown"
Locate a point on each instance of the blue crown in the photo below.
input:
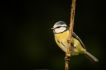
(60, 23)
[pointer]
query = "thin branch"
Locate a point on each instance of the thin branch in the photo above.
(68, 53)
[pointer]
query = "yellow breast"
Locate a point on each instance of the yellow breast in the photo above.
(63, 37)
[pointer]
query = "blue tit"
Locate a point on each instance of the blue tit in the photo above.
(61, 33)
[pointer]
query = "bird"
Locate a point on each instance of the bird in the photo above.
(61, 33)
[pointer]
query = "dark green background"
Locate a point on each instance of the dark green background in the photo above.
(28, 42)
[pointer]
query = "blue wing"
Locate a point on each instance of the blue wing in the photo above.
(76, 37)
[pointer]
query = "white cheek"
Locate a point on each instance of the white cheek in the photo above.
(59, 30)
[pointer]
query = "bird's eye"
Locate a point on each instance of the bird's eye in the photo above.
(58, 27)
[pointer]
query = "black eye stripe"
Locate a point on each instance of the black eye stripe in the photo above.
(58, 27)
(61, 26)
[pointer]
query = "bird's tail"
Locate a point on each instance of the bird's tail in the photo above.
(91, 57)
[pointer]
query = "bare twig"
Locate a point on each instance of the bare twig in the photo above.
(68, 53)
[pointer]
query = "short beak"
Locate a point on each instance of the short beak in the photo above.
(52, 28)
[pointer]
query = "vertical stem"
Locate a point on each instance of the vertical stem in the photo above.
(68, 53)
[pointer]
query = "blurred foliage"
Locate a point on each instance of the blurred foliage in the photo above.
(28, 42)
